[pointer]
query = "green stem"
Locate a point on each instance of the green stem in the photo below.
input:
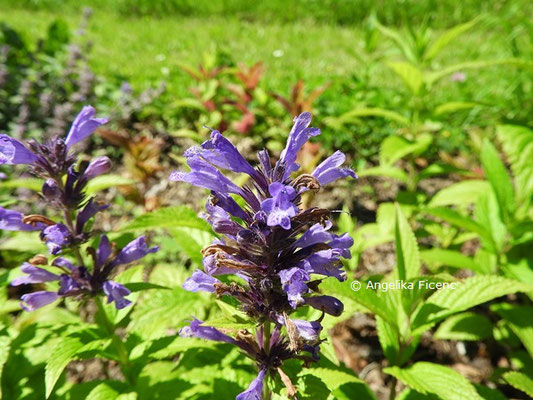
(266, 346)
(122, 352)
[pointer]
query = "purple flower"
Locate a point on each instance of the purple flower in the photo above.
(14, 152)
(254, 391)
(12, 221)
(220, 152)
(294, 283)
(133, 251)
(329, 170)
(103, 252)
(35, 275)
(196, 329)
(308, 330)
(56, 237)
(83, 126)
(325, 262)
(98, 166)
(90, 210)
(299, 134)
(33, 301)
(279, 207)
(330, 305)
(67, 284)
(200, 281)
(116, 292)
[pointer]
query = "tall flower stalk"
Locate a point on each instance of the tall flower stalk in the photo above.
(70, 227)
(279, 252)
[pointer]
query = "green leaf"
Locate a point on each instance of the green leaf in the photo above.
(398, 39)
(168, 217)
(394, 148)
(407, 257)
(34, 184)
(353, 116)
(454, 218)
(453, 106)
(447, 37)
(465, 326)
(102, 391)
(388, 339)
(460, 193)
(429, 378)
(499, 178)
(520, 381)
(516, 62)
(62, 353)
(103, 182)
(191, 242)
(488, 214)
(519, 319)
(462, 296)
(410, 75)
(5, 347)
(391, 172)
(517, 143)
(450, 258)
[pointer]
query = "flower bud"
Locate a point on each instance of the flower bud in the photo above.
(99, 166)
(51, 190)
(330, 305)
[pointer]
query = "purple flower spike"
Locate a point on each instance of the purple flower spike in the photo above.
(67, 284)
(14, 152)
(293, 281)
(56, 237)
(116, 292)
(200, 282)
(12, 221)
(330, 305)
(280, 208)
(63, 263)
(254, 391)
(35, 275)
(33, 301)
(133, 251)
(329, 170)
(98, 166)
(195, 329)
(83, 126)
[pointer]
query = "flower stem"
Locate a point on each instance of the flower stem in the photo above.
(266, 346)
(122, 352)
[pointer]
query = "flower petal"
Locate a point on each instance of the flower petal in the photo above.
(33, 301)
(200, 281)
(83, 126)
(133, 251)
(14, 152)
(254, 391)
(116, 292)
(34, 275)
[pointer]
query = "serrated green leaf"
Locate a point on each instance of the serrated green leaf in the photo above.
(105, 391)
(520, 381)
(465, 326)
(517, 143)
(467, 294)
(168, 217)
(388, 339)
(353, 116)
(499, 178)
(191, 242)
(489, 394)
(63, 352)
(394, 148)
(407, 257)
(429, 378)
(460, 193)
